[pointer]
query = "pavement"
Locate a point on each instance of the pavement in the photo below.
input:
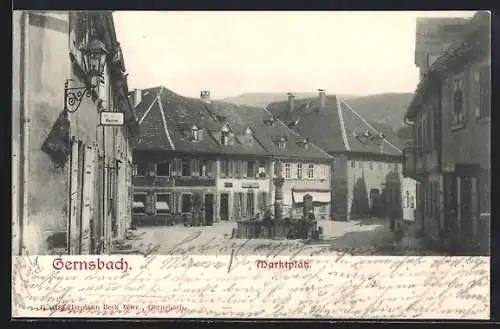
(357, 237)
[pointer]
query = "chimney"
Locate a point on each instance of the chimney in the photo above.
(322, 97)
(291, 102)
(137, 97)
(205, 96)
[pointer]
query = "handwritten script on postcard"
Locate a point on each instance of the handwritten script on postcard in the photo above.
(244, 286)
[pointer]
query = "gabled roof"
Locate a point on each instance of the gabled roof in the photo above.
(164, 117)
(241, 117)
(334, 127)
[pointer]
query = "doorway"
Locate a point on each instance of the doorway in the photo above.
(209, 209)
(224, 206)
(187, 206)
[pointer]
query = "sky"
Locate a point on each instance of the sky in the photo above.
(229, 53)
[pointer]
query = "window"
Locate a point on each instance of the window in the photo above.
(310, 171)
(430, 131)
(139, 203)
(437, 127)
(250, 204)
(421, 133)
(151, 169)
(187, 204)
(223, 168)
(237, 168)
(407, 199)
(458, 102)
(424, 133)
(176, 167)
(353, 164)
(195, 167)
(163, 169)
(360, 164)
(483, 78)
(396, 167)
(371, 165)
(186, 168)
(281, 143)
(140, 170)
(299, 170)
(195, 135)
(162, 203)
(224, 137)
(412, 205)
(229, 168)
(251, 169)
(262, 168)
(203, 168)
(262, 201)
(431, 59)
(288, 169)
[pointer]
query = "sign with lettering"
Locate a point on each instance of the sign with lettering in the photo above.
(228, 184)
(112, 118)
(250, 185)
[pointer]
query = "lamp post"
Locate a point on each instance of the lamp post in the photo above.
(94, 58)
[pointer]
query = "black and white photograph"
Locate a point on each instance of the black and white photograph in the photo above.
(217, 134)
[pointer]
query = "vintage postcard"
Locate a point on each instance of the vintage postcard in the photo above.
(327, 165)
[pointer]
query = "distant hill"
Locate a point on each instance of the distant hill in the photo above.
(263, 99)
(382, 108)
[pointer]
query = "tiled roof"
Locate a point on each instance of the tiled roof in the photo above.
(164, 117)
(259, 119)
(335, 128)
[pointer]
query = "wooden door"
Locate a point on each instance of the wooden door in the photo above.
(209, 209)
(224, 206)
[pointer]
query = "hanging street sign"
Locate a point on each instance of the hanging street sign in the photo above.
(112, 118)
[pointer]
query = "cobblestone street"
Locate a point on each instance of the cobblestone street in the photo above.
(360, 237)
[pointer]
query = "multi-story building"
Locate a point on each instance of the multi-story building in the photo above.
(450, 154)
(305, 168)
(70, 173)
(367, 174)
(195, 155)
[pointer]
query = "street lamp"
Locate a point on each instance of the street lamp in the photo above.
(94, 58)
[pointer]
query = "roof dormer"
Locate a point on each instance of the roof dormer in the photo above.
(304, 143)
(281, 142)
(195, 133)
(271, 121)
(225, 135)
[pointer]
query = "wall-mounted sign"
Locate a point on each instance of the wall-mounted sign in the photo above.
(250, 185)
(228, 184)
(112, 118)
